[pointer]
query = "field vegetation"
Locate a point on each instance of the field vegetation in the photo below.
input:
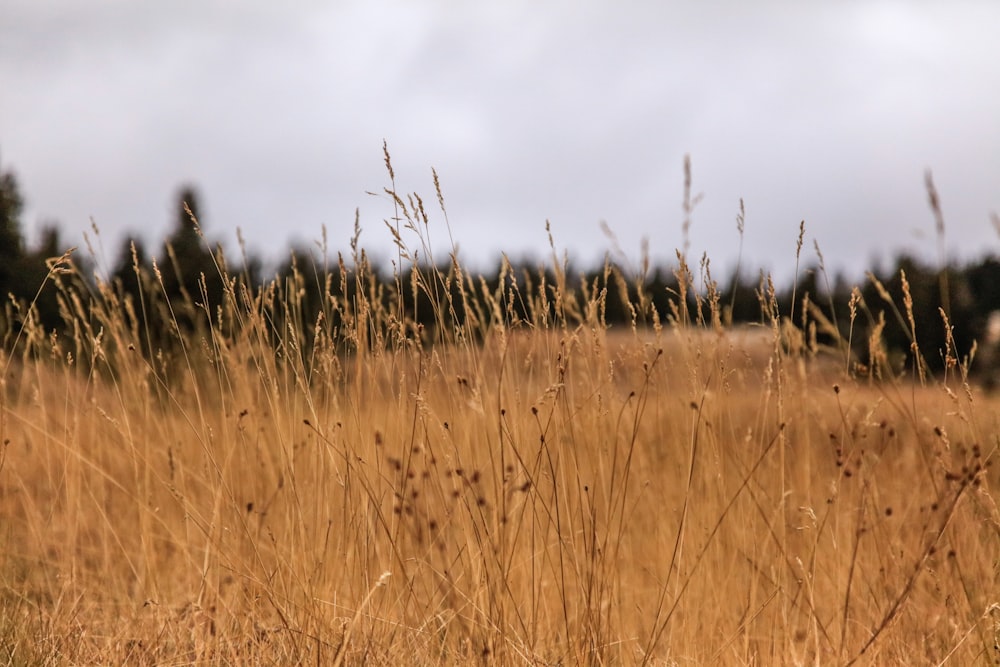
(331, 468)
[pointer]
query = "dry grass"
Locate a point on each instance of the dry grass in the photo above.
(541, 492)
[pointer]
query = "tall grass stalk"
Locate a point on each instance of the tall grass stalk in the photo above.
(543, 488)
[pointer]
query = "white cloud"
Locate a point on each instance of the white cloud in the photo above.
(572, 112)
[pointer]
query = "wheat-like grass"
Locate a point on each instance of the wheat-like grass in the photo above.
(542, 488)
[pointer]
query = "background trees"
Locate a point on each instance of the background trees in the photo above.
(23, 270)
(185, 290)
(11, 241)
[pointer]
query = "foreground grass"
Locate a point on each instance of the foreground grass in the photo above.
(510, 491)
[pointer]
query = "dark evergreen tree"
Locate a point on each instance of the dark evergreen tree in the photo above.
(11, 241)
(32, 274)
(190, 272)
(131, 277)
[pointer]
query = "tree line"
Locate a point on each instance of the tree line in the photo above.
(187, 285)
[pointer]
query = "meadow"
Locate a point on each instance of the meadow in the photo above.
(517, 483)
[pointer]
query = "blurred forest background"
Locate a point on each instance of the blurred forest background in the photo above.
(190, 265)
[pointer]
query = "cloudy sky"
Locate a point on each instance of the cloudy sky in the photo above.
(573, 112)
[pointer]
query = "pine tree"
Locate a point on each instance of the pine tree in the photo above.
(11, 240)
(186, 261)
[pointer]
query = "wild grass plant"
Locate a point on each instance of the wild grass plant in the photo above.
(516, 483)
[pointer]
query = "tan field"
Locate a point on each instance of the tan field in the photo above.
(509, 491)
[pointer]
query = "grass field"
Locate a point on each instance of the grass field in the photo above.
(501, 490)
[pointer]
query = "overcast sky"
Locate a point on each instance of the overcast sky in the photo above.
(573, 112)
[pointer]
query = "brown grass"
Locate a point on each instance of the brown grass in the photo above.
(556, 493)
